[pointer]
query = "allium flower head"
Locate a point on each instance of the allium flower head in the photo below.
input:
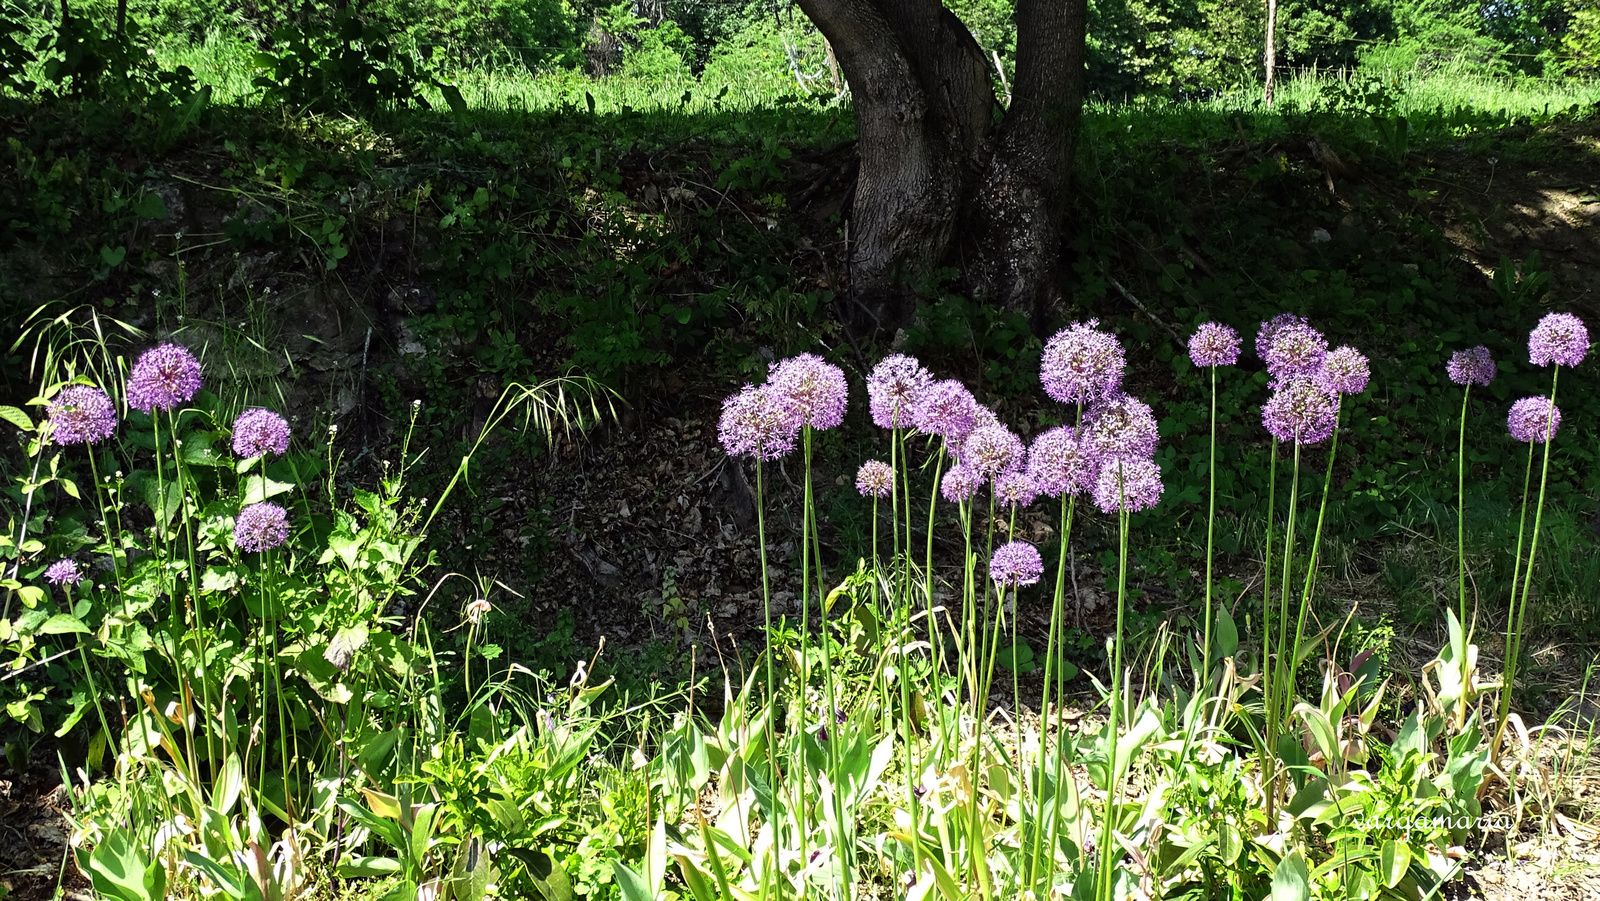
(1214, 344)
(1559, 338)
(1471, 367)
(816, 386)
(875, 479)
(1270, 329)
(1301, 410)
(893, 389)
(1295, 349)
(165, 375)
(1345, 370)
(1060, 464)
(991, 450)
(1015, 489)
(261, 527)
(1534, 420)
(1121, 426)
(946, 409)
(81, 414)
(1082, 364)
(960, 483)
(1131, 484)
(63, 572)
(1016, 563)
(258, 432)
(758, 422)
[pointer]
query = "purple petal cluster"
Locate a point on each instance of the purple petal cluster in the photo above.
(1014, 489)
(946, 409)
(1295, 349)
(1270, 329)
(1559, 338)
(81, 414)
(1302, 410)
(63, 572)
(1082, 364)
(816, 387)
(1133, 485)
(758, 422)
(1121, 426)
(165, 376)
(875, 479)
(1534, 420)
(1214, 344)
(1016, 563)
(992, 450)
(1060, 464)
(1345, 370)
(893, 388)
(258, 432)
(960, 483)
(1471, 367)
(261, 527)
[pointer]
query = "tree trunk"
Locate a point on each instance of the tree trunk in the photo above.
(1269, 53)
(934, 161)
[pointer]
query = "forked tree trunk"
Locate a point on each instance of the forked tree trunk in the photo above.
(936, 171)
(1269, 55)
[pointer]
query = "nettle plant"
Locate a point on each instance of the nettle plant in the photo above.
(862, 754)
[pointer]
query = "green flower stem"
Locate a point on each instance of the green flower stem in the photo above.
(1114, 775)
(772, 685)
(1311, 566)
(1461, 505)
(1211, 524)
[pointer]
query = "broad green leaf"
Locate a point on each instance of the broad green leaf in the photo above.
(16, 417)
(259, 489)
(1291, 881)
(1396, 859)
(630, 883)
(61, 624)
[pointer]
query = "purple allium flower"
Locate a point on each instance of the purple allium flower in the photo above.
(1559, 338)
(1015, 489)
(875, 479)
(816, 386)
(960, 483)
(1345, 370)
(758, 422)
(1061, 464)
(1016, 563)
(1131, 484)
(258, 432)
(1214, 344)
(1294, 349)
(991, 450)
(1081, 364)
(893, 388)
(81, 415)
(63, 572)
(1471, 367)
(1270, 328)
(261, 527)
(946, 409)
(1302, 411)
(165, 376)
(1534, 420)
(1121, 426)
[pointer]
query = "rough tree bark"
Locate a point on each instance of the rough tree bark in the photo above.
(944, 173)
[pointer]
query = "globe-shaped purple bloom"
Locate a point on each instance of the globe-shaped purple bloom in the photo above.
(1060, 464)
(1559, 338)
(816, 386)
(63, 572)
(960, 483)
(875, 479)
(1270, 329)
(258, 432)
(165, 375)
(1121, 426)
(1133, 485)
(758, 422)
(1295, 349)
(1016, 563)
(1345, 370)
(1014, 489)
(1301, 410)
(81, 414)
(946, 409)
(893, 388)
(1534, 420)
(261, 527)
(992, 449)
(1081, 364)
(1471, 367)
(1214, 344)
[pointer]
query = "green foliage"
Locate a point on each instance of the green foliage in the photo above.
(354, 65)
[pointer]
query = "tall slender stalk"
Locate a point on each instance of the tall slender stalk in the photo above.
(1114, 774)
(1211, 524)
(1461, 517)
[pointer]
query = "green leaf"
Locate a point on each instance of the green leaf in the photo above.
(31, 595)
(370, 866)
(1227, 636)
(61, 624)
(1291, 881)
(119, 869)
(549, 878)
(258, 490)
(150, 206)
(16, 417)
(452, 96)
(1396, 859)
(113, 257)
(632, 884)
